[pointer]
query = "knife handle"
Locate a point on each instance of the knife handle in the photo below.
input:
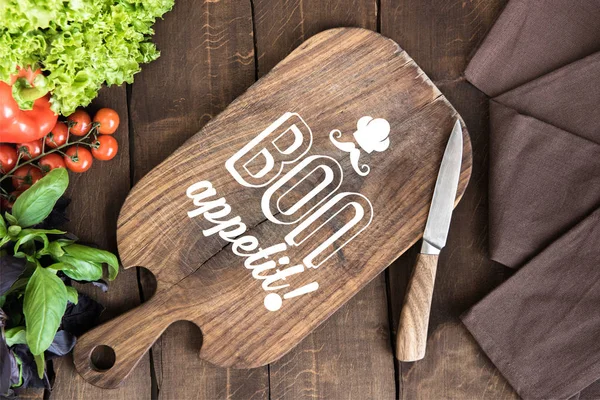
(411, 339)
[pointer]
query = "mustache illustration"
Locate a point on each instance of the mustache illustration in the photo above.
(351, 148)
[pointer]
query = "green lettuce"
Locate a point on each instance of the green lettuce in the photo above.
(79, 44)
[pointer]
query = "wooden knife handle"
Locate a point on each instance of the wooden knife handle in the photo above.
(128, 337)
(411, 339)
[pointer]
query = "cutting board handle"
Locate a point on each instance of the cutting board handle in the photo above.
(122, 342)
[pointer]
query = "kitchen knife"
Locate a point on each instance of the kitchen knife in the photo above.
(411, 338)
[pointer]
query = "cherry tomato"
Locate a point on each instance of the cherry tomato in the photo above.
(51, 161)
(30, 150)
(83, 123)
(58, 136)
(8, 203)
(105, 148)
(78, 159)
(25, 176)
(108, 120)
(8, 158)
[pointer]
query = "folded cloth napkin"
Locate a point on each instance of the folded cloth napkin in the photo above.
(541, 328)
(532, 38)
(540, 63)
(542, 181)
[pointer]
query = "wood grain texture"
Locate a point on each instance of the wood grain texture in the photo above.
(411, 338)
(201, 280)
(207, 60)
(350, 355)
(440, 36)
(454, 367)
(97, 197)
(282, 25)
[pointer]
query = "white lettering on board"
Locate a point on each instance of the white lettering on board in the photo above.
(260, 163)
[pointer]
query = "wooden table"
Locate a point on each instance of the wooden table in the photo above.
(211, 52)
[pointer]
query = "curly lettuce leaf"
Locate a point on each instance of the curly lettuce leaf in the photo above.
(79, 44)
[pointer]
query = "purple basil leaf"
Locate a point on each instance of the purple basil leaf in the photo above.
(5, 366)
(58, 215)
(10, 270)
(30, 376)
(62, 344)
(81, 317)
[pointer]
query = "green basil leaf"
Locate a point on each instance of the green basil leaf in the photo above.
(2, 227)
(95, 255)
(44, 304)
(55, 250)
(15, 335)
(20, 365)
(36, 203)
(42, 231)
(65, 242)
(81, 270)
(11, 220)
(72, 295)
(4, 240)
(28, 238)
(41, 364)
(14, 231)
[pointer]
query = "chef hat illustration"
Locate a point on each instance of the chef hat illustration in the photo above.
(372, 134)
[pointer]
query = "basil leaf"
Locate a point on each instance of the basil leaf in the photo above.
(55, 250)
(44, 305)
(2, 227)
(27, 235)
(80, 270)
(72, 295)
(11, 269)
(95, 255)
(11, 220)
(36, 203)
(15, 335)
(41, 364)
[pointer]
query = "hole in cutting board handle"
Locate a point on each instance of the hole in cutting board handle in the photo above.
(102, 358)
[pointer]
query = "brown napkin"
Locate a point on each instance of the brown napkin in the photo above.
(532, 38)
(541, 328)
(541, 63)
(543, 180)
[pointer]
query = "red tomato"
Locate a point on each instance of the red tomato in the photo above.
(105, 148)
(58, 136)
(8, 203)
(51, 161)
(26, 176)
(108, 120)
(78, 159)
(30, 150)
(83, 123)
(8, 158)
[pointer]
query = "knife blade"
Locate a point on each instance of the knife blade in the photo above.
(411, 339)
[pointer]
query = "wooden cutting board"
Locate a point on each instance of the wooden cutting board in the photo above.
(284, 206)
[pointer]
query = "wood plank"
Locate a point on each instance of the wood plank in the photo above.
(350, 355)
(441, 37)
(97, 196)
(207, 60)
(282, 25)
